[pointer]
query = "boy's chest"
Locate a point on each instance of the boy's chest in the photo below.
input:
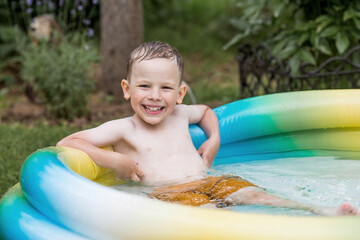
(165, 142)
(157, 142)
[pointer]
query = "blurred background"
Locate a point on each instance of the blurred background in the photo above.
(66, 59)
(61, 61)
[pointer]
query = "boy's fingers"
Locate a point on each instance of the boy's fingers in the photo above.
(201, 150)
(135, 178)
(139, 173)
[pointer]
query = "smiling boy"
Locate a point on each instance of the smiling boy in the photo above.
(154, 145)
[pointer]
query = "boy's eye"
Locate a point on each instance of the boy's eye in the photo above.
(167, 87)
(144, 86)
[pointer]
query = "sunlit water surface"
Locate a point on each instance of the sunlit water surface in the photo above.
(323, 181)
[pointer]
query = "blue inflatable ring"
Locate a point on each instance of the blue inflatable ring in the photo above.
(61, 194)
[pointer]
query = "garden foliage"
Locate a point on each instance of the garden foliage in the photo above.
(8, 47)
(301, 30)
(203, 24)
(62, 75)
(60, 70)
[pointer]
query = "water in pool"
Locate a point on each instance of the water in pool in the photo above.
(325, 181)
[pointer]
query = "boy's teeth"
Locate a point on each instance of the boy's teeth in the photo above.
(153, 108)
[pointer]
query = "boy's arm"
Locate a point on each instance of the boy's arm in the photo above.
(208, 121)
(89, 142)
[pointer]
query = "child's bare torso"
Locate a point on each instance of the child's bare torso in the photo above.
(165, 153)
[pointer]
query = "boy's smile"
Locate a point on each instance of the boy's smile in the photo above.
(153, 109)
(154, 89)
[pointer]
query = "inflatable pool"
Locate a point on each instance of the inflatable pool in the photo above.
(63, 195)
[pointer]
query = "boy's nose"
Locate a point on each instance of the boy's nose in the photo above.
(155, 95)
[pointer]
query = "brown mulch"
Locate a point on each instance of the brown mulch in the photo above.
(21, 109)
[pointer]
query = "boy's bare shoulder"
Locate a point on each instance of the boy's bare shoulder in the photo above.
(185, 107)
(193, 113)
(184, 112)
(181, 110)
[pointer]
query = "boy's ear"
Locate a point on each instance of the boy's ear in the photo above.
(126, 88)
(182, 93)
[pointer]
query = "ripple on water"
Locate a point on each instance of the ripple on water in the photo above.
(324, 181)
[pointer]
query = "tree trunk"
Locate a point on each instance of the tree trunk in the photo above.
(121, 32)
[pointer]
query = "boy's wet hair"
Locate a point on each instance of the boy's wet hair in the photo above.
(155, 49)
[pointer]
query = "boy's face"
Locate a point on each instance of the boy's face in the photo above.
(154, 89)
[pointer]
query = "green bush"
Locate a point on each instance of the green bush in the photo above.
(299, 31)
(7, 52)
(8, 47)
(61, 75)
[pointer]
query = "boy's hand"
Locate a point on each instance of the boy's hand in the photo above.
(208, 121)
(127, 169)
(209, 149)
